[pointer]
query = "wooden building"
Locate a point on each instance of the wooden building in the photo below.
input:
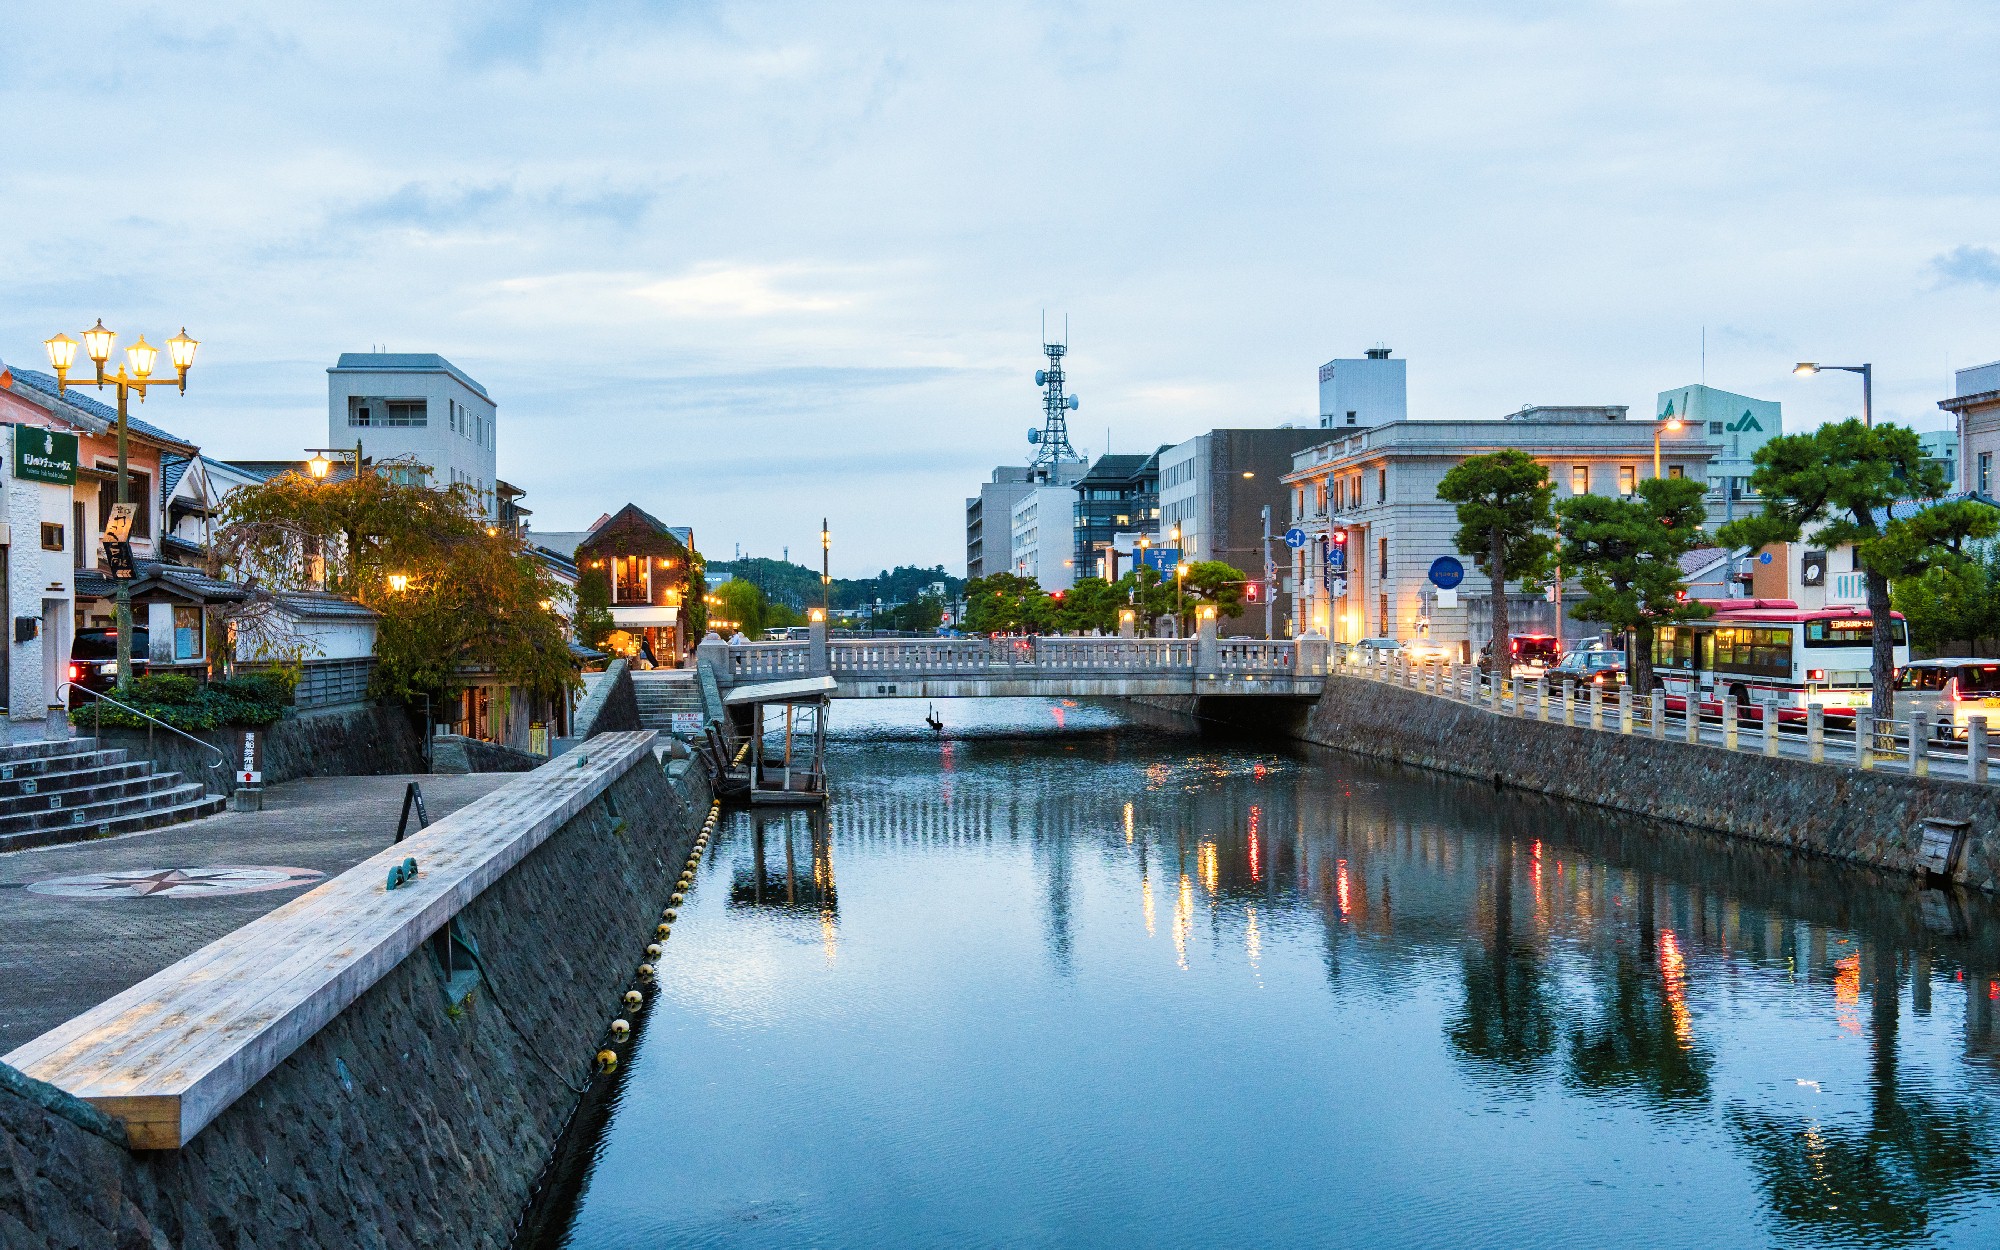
(646, 564)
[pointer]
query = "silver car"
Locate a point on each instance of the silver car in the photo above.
(1951, 691)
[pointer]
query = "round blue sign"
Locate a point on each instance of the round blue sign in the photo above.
(1295, 538)
(1446, 572)
(1763, 557)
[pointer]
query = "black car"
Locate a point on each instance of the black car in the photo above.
(93, 658)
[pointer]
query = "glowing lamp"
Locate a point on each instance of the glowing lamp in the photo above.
(816, 616)
(1206, 611)
(399, 582)
(319, 467)
(180, 350)
(97, 342)
(140, 357)
(62, 352)
(1674, 424)
(1804, 367)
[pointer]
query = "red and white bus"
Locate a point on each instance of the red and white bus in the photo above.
(1752, 650)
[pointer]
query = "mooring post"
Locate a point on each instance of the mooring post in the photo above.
(1816, 733)
(1659, 713)
(1769, 713)
(1728, 723)
(1920, 744)
(1975, 750)
(1864, 739)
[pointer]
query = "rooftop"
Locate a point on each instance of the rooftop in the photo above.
(80, 400)
(405, 362)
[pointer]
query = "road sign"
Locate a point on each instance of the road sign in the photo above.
(1446, 572)
(1295, 538)
(1336, 557)
(119, 527)
(1161, 558)
(118, 558)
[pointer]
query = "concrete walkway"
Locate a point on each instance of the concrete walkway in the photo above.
(63, 953)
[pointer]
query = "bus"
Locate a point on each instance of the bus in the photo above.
(1752, 650)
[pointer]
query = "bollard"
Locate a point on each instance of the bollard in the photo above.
(1769, 715)
(1864, 739)
(1728, 723)
(1920, 744)
(1975, 750)
(1597, 707)
(1691, 716)
(1659, 713)
(1816, 733)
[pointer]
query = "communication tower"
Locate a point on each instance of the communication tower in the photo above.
(1052, 440)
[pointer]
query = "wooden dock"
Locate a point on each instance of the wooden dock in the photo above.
(173, 1052)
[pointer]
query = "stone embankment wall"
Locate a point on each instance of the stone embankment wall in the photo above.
(612, 705)
(409, 1121)
(451, 753)
(359, 740)
(1864, 817)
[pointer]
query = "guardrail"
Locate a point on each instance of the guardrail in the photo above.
(97, 727)
(1917, 744)
(1000, 657)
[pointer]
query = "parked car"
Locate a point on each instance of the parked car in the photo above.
(1598, 666)
(93, 658)
(1370, 651)
(1951, 690)
(1426, 651)
(1534, 654)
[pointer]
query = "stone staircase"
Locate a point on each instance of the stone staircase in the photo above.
(69, 791)
(664, 691)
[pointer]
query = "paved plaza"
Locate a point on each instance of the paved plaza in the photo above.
(80, 922)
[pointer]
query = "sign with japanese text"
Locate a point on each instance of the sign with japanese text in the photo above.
(44, 456)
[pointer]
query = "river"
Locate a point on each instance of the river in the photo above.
(1064, 977)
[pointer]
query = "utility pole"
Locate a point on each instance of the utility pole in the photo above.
(1270, 570)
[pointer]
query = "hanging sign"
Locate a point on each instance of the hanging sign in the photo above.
(44, 456)
(119, 527)
(118, 558)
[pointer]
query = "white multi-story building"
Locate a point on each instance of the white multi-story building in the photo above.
(1044, 536)
(1371, 391)
(420, 406)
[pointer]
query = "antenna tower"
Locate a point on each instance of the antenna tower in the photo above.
(1052, 446)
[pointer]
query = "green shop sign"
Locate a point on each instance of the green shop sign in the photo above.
(44, 456)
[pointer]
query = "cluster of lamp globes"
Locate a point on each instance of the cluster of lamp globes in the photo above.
(140, 357)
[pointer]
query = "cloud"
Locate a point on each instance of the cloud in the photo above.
(1967, 266)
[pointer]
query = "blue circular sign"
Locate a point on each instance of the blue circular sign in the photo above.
(1446, 572)
(1763, 557)
(1295, 538)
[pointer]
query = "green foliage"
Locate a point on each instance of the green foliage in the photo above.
(1840, 482)
(798, 588)
(738, 605)
(1504, 521)
(1948, 605)
(922, 615)
(1627, 554)
(593, 621)
(1092, 603)
(181, 701)
(1006, 603)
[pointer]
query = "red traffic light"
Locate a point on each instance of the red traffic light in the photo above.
(1250, 592)
(1340, 537)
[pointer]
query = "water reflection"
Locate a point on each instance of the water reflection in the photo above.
(1127, 985)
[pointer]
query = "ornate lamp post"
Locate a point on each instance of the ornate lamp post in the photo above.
(825, 570)
(136, 374)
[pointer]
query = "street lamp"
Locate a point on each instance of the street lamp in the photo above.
(1659, 428)
(139, 360)
(825, 570)
(1805, 367)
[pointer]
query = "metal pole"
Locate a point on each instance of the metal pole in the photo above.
(825, 573)
(1868, 395)
(1657, 431)
(124, 583)
(1270, 585)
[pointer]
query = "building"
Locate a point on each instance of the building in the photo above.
(1214, 489)
(994, 504)
(1377, 488)
(1737, 425)
(420, 407)
(1367, 392)
(646, 564)
(1043, 528)
(1120, 494)
(1975, 403)
(1941, 449)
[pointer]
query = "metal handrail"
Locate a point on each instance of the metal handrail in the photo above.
(221, 757)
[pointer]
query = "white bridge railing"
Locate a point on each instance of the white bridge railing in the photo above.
(1022, 657)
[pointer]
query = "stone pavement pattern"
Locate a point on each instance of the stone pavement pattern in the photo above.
(60, 956)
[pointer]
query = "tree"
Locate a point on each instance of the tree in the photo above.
(1627, 554)
(1949, 605)
(921, 615)
(593, 621)
(1092, 603)
(1005, 603)
(453, 594)
(1844, 480)
(1504, 519)
(1150, 595)
(739, 605)
(1213, 582)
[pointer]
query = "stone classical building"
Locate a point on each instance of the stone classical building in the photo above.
(1975, 403)
(1377, 489)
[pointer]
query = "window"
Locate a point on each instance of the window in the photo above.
(400, 412)
(52, 536)
(1299, 501)
(1381, 486)
(1628, 479)
(78, 528)
(1985, 472)
(1715, 427)
(1388, 626)
(629, 579)
(1351, 418)
(1382, 556)
(1755, 651)
(187, 633)
(1676, 472)
(1579, 479)
(142, 495)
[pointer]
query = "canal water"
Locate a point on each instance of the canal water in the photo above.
(1061, 977)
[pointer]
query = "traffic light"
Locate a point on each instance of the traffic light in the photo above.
(1250, 592)
(1340, 538)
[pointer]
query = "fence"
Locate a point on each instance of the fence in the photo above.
(1920, 744)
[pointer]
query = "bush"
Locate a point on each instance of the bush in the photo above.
(186, 704)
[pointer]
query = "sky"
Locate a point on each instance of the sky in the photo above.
(752, 265)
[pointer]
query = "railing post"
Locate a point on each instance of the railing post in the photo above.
(1596, 707)
(818, 662)
(1312, 659)
(1864, 740)
(1770, 718)
(1975, 750)
(1691, 716)
(1207, 649)
(1816, 733)
(1542, 699)
(1728, 722)
(1920, 744)
(1658, 713)
(1625, 702)
(1569, 704)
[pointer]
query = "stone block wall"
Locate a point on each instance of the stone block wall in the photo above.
(613, 705)
(409, 1121)
(360, 740)
(451, 753)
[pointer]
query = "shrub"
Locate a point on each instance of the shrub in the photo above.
(184, 703)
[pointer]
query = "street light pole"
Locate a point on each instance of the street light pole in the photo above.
(1867, 372)
(1270, 569)
(825, 571)
(139, 359)
(1659, 428)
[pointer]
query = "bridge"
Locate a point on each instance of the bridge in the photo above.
(953, 668)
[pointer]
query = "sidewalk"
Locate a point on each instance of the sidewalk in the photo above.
(65, 946)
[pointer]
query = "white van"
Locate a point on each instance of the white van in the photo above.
(1951, 690)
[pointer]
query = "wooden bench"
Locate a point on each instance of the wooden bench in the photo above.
(173, 1052)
